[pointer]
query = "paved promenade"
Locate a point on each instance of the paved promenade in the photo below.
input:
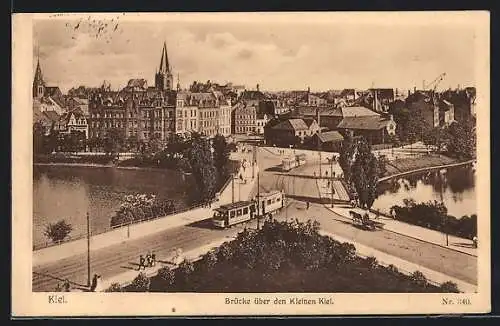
(414, 231)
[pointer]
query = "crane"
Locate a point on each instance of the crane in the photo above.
(435, 82)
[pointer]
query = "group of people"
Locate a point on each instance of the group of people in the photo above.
(148, 261)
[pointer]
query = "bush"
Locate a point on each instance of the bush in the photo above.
(167, 275)
(58, 231)
(418, 278)
(115, 287)
(288, 257)
(140, 284)
(434, 215)
(449, 287)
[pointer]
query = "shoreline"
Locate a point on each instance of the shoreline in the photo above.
(424, 169)
(94, 165)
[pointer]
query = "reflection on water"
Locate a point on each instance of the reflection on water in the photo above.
(455, 187)
(70, 192)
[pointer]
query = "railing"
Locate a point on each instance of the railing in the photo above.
(47, 244)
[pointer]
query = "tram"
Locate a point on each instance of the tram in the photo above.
(289, 163)
(265, 204)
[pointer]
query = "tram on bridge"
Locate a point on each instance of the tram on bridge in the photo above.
(265, 204)
(292, 162)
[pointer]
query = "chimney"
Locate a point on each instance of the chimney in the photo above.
(414, 89)
(409, 92)
(308, 89)
(257, 87)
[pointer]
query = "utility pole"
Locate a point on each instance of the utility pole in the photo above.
(319, 141)
(331, 176)
(88, 250)
(258, 200)
(232, 188)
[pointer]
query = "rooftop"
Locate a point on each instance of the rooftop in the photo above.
(364, 123)
(330, 136)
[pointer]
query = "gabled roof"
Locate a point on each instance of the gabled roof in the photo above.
(364, 123)
(357, 111)
(292, 124)
(309, 121)
(330, 136)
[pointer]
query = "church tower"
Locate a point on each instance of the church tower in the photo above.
(38, 83)
(163, 78)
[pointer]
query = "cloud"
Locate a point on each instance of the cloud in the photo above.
(275, 56)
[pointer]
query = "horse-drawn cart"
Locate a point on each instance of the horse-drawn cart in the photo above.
(364, 221)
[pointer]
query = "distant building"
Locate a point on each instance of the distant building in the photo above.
(73, 121)
(446, 113)
(425, 103)
(245, 119)
(329, 140)
(291, 130)
(375, 128)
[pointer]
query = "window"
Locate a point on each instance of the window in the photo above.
(269, 201)
(233, 213)
(238, 212)
(245, 210)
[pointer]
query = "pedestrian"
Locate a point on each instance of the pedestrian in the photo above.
(66, 286)
(141, 262)
(153, 258)
(149, 261)
(314, 173)
(474, 241)
(93, 285)
(377, 215)
(307, 205)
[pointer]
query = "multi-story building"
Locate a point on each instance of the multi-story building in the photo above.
(139, 112)
(245, 119)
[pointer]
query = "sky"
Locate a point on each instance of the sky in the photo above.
(277, 54)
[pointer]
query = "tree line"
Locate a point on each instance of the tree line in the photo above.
(434, 215)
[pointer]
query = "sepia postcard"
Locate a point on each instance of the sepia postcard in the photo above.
(204, 164)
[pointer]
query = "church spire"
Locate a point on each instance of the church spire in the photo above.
(164, 66)
(38, 83)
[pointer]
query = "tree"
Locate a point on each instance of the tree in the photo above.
(202, 166)
(410, 124)
(221, 157)
(462, 139)
(114, 141)
(365, 174)
(140, 284)
(58, 231)
(38, 138)
(346, 157)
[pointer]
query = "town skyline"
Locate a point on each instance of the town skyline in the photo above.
(274, 55)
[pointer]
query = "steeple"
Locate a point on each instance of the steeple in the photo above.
(164, 66)
(178, 83)
(163, 78)
(38, 83)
